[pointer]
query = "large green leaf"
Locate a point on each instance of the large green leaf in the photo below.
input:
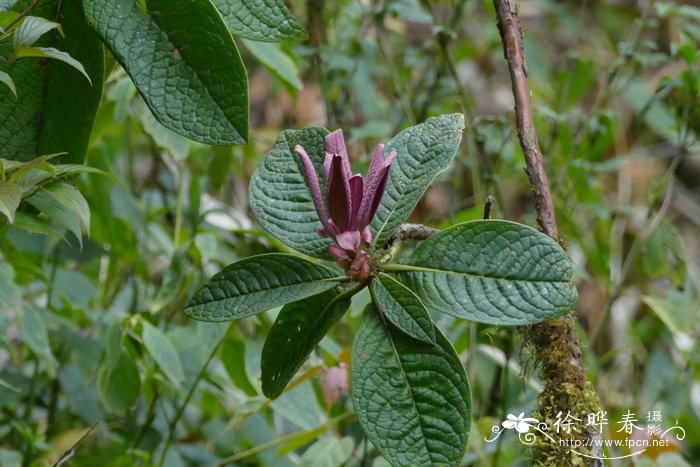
(163, 352)
(299, 327)
(257, 284)
(55, 106)
(279, 197)
(119, 385)
(328, 451)
(260, 20)
(36, 337)
(183, 61)
(233, 358)
(491, 271)
(402, 308)
(278, 62)
(412, 399)
(423, 151)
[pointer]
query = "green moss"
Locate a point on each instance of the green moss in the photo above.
(557, 352)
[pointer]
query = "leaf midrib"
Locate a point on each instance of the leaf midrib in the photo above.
(275, 289)
(411, 268)
(408, 384)
(344, 295)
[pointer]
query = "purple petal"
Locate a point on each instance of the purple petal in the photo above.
(366, 236)
(338, 253)
(355, 200)
(348, 241)
(332, 228)
(327, 170)
(335, 144)
(314, 187)
(378, 195)
(375, 184)
(339, 195)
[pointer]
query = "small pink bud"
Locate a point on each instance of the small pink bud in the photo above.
(334, 382)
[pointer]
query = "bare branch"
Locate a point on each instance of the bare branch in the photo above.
(415, 232)
(511, 35)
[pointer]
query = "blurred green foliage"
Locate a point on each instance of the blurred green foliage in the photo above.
(99, 365)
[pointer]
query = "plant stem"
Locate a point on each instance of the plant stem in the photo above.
(150, 416)
(22, 15)
(555, 343)
(29, 448)
(178, 413)
(179, 207)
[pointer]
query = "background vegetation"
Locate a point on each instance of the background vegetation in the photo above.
(98, 363)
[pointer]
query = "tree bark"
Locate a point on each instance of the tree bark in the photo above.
(554, 343)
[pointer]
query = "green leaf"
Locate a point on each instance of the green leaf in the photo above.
(233, 358)
(112, 343)
(299, 327)
(163, 352)
(411, 398)
(402, 308)
(22, 169)
(491, 271)
(7, 17)
(173, 279)
(662, 252)
(31, 29)
(183, 61)
(260, 20)
(10, 197)
(275, 60)
(35, 224)
(36, 337)
(63, 216)
(680, 311)
(119, 386)
(257, 284)
(9, 292)
(72, 199)
(328, 451)
(279, 197)
(423, 151)
(7, 80)
(55, 107)
(50, 52)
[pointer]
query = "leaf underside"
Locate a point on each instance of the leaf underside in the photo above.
(257, 284)
(183, 61)
(279, 197)
(299, 327)
(491, 271)
(423, 151)
(260, 20)
(412, 399)
(402, 308)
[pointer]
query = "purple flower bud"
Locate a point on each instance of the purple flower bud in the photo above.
(350, 202)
